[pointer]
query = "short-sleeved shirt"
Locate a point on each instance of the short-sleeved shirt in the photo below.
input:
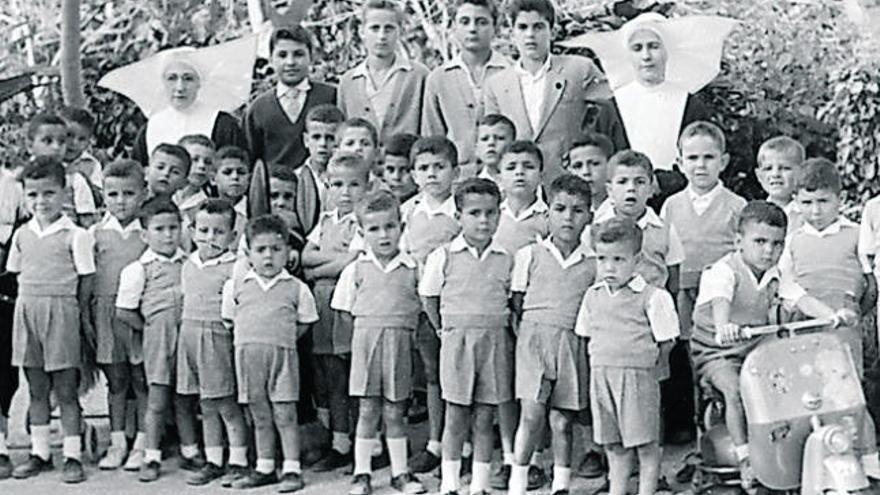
(307, 310)
(719, 282)
(785, 261)
(675, 253)
(431, 283)
(133, 278)
(519, 278)
(660, 310)
(346, 288)
(82, 245)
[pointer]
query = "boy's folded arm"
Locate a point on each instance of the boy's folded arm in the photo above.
(313, 257)
(130, 317)
(333, 268)
(672, 282)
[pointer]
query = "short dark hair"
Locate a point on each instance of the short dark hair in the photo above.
(493, 119)
(762, 212)
(217, 206)
(400, 145)
(544, 8)
(265, 224)
(359, 123)
(596, 140)
(44, 167)
(159, 205)
(438, 145)
(295, 33)
(176, 151)
(125, 168)
(618, 229)
(382, 5)
(527, 147)
(79, 116)
(230, 152)
(477, 186)
(377, 201)
(197, 139)
(486, 4)
(819, 174)
(704, 128)
(630, 158)
(349, 161)
(325, 113)
(43, 119)
(283, 173)
(572, 185)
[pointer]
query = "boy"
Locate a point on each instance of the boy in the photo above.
(275, 121)
(397, 170)
(705, 215)
(779, 160)
(378, 291)
(453, 91)
(80, 128)
(465, 289)
(269, 310)
(386, 89)
(430, 221)
(149, 301)
(628, 322)
(358, 136)
(588, 159)
(168, 170)
(547, 319)
(494, 133)
(327, 252)
(118, 243)
(55, 263)
(738, 291)
(545, 95)
(322, 125)
(201, 151)
(523, 212)
(283, 199)
(232, 179)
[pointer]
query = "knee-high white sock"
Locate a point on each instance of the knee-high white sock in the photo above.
(72, 447)
(480, 477)
(561, 479)
(40, 441)
(362, 457)
(518, 479)
(397, 453)
(450, 472)
(238, 456)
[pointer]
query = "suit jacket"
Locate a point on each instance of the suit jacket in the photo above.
(572, 82)
(404, 114)
(271, 136)
(452, 106)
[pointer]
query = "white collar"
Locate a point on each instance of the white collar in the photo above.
(495, 60)
(63, 223)
(150, 256)
(401, 260)
(241, 207)
(301, 88)
(227, 257)
(648, 218)
(636, 284)
(190, 201)
(537, 76)
(109, 222)
(400, 63)
(447, 207)
(334, 216)
(832, 229)
(705, 197)
(486, 174)
(460, 244)
(266, 285)
(537, 207)
(582, 252)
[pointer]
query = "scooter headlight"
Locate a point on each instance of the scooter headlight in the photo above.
(837, 440)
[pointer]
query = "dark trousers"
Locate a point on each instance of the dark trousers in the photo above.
(677, 393)
(8, 373)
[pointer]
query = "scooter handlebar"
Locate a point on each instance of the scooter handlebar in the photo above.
(750, 332)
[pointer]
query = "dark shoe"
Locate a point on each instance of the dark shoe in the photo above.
(424, 462)
(149, 472)
(592, 466)
(332, 461)
(207, 474)
(500, 478)
(233, 474)
(360, 485)
(192, 463)
(380, 461)
(311, 456)
(255, 479)
(291, 482)
(561, 492)
(73, 471)
(537, 478)
(32, 467)
(5, 467)
(408, 484)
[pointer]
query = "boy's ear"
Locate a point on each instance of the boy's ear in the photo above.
(144, 233)
(725, 160)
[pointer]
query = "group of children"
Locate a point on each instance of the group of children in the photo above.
(534, 298)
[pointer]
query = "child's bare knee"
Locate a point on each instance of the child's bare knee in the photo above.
(393, 411)
(560, 423)
(284, 414)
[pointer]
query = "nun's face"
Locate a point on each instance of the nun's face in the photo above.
(182, 83)
(648, 56)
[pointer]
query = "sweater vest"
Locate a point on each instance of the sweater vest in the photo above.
(475, 292)
(336, 236)
(426, 233)
(554, 294)
(47, 267)
(707, 237)
(385, 299)
(204, 289)
(655, 246)
(749, 307)
(513, 235)
(266, 317)
(161, 287)
(619, 330)
(828, 267)
(113, 252)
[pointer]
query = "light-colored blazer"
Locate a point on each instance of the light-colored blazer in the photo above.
(404, 113)
(572, 82)
(453, 105)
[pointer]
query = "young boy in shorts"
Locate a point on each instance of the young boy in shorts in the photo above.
(628, 322)
(779, 160)
(523, 211)
(465, 291)
(738, 291)
(588, 159)
(321, 129)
